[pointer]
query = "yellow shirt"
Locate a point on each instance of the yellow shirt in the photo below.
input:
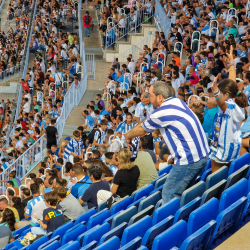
(15, 212)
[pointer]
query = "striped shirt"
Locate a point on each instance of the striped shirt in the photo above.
(118, 126)
(125, 127)
(73, 146)
(181, 130)
(143, 112)
(226, 134)
(100, 139)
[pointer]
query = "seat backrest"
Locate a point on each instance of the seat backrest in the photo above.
(144, 191)
(206, 174)
(216, 177)
(117, 231)
(73, 234)
(237, 175)
(150, 200)
(56, 238)
(62, 229)
(147, 211)
(172, 237)
(233, 193)
(113, 243)
(192, 193)
(155, 230)
(202, 215)
(37, 243)
(201, 237)
(136, 203)
(170, 208)
(134, 244)
(98, 218)
(124, 216)
(92, 245)
(215, 191)
(101, 206)
(139, 228)
(52, 246)
(156, 179)
(72, 245)
(157, 189)
(184, 212)
(96, 234)
(160, 181)
(81, 236)
(239, 163)
(110, 219)
(85, 217)
(165, 170)
(121, 205)
(20, 231)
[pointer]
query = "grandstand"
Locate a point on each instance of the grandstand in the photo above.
(124, 126)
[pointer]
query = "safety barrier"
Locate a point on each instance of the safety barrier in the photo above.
(90, 60)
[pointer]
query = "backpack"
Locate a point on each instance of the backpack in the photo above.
(87, 21)
(113, 199)
(92, 135)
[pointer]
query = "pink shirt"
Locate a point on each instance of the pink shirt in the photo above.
(196, 78)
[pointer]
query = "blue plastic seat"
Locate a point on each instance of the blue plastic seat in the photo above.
(96, 234)
(172, 237)
(165, 170)
(81, 236)
(157, 189)
(147, 211)
(85, 217)
(20, 231)
(132, 245)
(245, 217)
(73, 233)
(150, 200)
(156, 179)
(144, 191)
(92, 245)
(121, 205)
(117, 231)
(139, 228)
(239, 163)
(142, 248)
(136, 203)
(35, 245)
(101, 206)
(191, 193)
(216, 177)
(110, 219)
(155, 230)
(214, 191)
(161, 181)
(98, 218)
(232, 194)
(237, 175)
(206, 174)
(113, 243)
(72, 245)
(184, 212)
(124, 216)
(227, 222)
(201, 238)
(62, 229)
(52, 246)
(47, 243)
(170, 208)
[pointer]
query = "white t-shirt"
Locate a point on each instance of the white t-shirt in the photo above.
(26, 107)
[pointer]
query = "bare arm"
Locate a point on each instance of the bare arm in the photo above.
(136, 131)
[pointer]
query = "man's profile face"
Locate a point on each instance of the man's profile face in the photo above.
(153, 98)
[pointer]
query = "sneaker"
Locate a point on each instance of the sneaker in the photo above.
(88, 35)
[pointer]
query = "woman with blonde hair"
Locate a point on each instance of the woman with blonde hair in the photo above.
(125, 180)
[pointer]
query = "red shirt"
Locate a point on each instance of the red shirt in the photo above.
(196, 78)
(87, 25)
(25, 86)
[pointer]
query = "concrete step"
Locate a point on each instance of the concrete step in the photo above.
(13, 84)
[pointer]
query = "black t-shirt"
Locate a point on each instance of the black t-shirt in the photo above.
(51, 134)
(25, 201)
(53, 218)
(126, 179)
(215, 71)
(178, 37)
(90, 195)
(113, 112)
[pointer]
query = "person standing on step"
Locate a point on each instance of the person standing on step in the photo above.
(87, 20)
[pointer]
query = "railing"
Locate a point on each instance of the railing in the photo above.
(132, 22)
(90, 61)
(10, 73)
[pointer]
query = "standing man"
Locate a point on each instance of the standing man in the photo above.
(183, 135)
(87, 20)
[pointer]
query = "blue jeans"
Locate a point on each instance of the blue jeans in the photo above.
(180, 177)
(86, 31)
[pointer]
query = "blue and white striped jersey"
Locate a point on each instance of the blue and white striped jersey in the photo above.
(143, 112)
(99, 138)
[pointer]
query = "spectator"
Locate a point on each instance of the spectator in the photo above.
(25, 195)
(4, 205)
(16, 203)
(87, 20)
(6, 236)
(8, 219)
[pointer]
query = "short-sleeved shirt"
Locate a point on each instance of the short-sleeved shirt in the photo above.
(53, 218)
(25, 201)
(5, 236)
(16, 214)
(126, 179)
(80, 187)
(90, 195)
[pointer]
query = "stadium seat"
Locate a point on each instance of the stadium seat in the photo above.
(13, 248)
(73, 233)
(96, 234)
(117, 231)
(239, 163)
(20, 231)
(232, 194)
(214, 191)
(206, 174)
(192, 192)
(113, 243)
(124, 216)
(227, 222)
(142, 248)
(35, 245)
(138, 229)
(110, 219)
(136, 203)
(209, 165)
(81, 236)
(161, 181)
(156, 179)
(101, 206)
(155, 230)
(121, 205)
(85, 217)
(170, 208)
(62, 229)
(237, 175)
(158, 204)
(132, 245)
(184, 212)
(157, 189)
(144, 191)
(147, 211)
(216, 177)
(201, 238)
(26, 231)
(172, 237)
(203, 215)
(92, 245)
(98, 218)
(52, 246)
(165, 170)
(150, 200)
(72, 245)
(245, 217)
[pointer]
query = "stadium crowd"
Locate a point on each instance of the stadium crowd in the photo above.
(158, 112)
